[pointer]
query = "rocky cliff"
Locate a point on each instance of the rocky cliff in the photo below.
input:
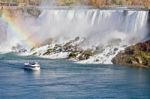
(136, 55)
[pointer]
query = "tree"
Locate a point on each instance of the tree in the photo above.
(67, 2)
(146, 3)
(108, 2)
(117, 2)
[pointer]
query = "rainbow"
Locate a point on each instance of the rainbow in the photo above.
(20, 33)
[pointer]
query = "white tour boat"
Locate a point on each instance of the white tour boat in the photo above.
(32, 66)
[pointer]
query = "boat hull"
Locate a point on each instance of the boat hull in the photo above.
(32, 68)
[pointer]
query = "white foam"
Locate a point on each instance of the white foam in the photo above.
(103, 58)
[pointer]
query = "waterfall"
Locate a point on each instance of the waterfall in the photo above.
(3, 34)
(97, 26)
(94, 24)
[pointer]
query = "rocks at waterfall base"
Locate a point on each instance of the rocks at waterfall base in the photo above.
(71, 48)
(82, 55)
(136, 55)
(33, 12)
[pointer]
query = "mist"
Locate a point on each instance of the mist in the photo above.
(94, 25)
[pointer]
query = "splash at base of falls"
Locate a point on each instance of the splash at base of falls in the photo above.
(70, 50)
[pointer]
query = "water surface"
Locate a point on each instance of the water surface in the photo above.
(62, 79)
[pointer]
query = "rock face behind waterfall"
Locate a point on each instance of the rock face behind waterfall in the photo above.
(136, 55)
(149, 23)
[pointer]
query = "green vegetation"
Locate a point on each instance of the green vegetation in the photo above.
(73, 55)
(86, 54)
(67, 2)
(81, 55)
(34, 53)
(32, 49)
(48, 52)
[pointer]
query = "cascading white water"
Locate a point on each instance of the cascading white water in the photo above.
(95, 25)
(3, 33)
